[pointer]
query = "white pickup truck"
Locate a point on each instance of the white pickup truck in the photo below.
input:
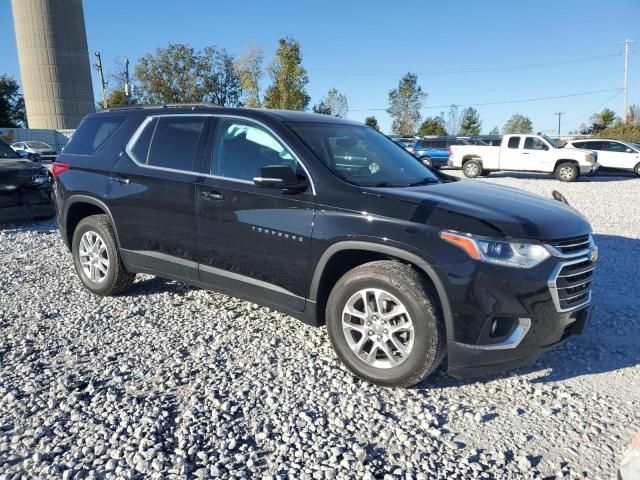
(524, 153)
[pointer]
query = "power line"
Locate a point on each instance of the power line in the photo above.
(480, 70)
(581, 116)
(538, 99)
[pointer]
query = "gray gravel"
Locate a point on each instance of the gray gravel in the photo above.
(169, 381)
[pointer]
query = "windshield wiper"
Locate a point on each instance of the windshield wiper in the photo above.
(424, 181)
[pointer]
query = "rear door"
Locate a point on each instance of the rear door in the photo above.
(252, 242)
(511, 154)
(152, 195)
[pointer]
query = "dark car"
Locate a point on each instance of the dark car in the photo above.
(435, 151)
(36, 151)
(333, 223)
(25, 188)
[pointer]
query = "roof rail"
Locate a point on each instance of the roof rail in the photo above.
(165, 105)
(190, 105)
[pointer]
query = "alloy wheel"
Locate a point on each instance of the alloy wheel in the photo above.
(94, 256)
(378, 328)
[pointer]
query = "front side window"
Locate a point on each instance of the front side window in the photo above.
(534, 143)
(513, 142)
(92, 133)
(242, 148)
(616, 147)
(362, 156)
(175, 142)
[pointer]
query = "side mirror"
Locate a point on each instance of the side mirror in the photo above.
(545, 147)
(629, 150)
(280, 176)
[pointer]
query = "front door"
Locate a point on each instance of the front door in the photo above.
(152, 195)
(252, 241)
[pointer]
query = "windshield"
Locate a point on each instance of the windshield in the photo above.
(362, 156)
(37, 145)
(6, 151)
(552, 142)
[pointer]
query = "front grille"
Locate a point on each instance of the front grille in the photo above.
(571, 284)
(571, 246)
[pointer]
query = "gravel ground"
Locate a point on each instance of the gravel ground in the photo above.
(172, 381)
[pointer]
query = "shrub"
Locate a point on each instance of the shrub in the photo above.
(626, 133)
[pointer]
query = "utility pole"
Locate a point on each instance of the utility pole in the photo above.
(559, 117)
(104, 86)
(627, 42)
(127, 90)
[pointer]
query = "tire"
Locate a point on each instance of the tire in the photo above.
(566, 172)
(427, 161)
(472, 168)
(116, 279)
(403, 286)
(637, 170)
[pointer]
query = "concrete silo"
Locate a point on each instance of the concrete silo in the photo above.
(54, 62)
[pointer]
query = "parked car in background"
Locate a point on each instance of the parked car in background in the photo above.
(36, 151)
(524, 153)
(329, 221)
(612, 154)
(25, 188)
(434, 151)
(406, 143)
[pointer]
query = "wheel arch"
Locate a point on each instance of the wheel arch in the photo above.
(468, 158)
(360, 252)
(567, 160)
(78, 207)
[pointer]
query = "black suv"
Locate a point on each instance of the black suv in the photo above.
(333, 223)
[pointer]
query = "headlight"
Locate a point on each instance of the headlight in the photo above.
(8, 188)
(499, 252)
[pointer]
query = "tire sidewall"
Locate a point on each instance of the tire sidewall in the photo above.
(83, 227)
(425, 337)
(426, 161)
(637, 170)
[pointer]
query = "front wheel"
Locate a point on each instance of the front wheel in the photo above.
(566, 172)
(384, 324)
(637, 170)
(427, 161)
(96, 257)
(472, 169)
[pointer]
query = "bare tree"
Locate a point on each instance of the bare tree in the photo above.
(250, 72)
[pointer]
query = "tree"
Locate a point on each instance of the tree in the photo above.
(405, 103)
(494, 131)
(289, 78)
(605, 119)
(470, 123)
(172, 75)
(372, 122)
(333, 103)
(626, 133)
(116, 98)
(220, 82)
(249, 70)
(12, 112)
(453, 120)
(518, 124)
(432, 126)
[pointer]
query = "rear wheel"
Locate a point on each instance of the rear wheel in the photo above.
(427, 161)
(96, 257)
(566, 172)
(472, 169)
(637, 170)
(384, 324)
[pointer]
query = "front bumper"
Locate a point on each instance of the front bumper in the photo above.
(503, 318)
(589, 169)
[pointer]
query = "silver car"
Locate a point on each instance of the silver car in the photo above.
(36, 151)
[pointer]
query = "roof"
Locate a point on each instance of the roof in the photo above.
(282, 115)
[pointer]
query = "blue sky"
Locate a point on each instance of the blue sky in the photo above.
(363, 47)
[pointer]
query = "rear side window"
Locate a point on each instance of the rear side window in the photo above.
(92, 133)
(514, 142)
(440, 144)
(175, 142)
(593, 145)
(423, 145)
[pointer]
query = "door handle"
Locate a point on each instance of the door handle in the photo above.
(214, 196)
(525, 153)
(121, 180)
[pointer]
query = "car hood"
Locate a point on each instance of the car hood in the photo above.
(46, 151)
(485, 209)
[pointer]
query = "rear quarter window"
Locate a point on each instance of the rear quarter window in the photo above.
(92, 133)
